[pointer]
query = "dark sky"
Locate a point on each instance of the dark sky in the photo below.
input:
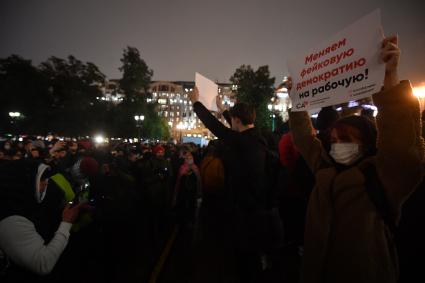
(179, 37)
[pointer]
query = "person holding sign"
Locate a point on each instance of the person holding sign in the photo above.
(361, 183)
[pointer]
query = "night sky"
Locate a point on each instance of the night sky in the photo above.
(176, 38)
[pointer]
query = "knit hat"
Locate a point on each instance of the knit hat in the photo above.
(367, 130)
(158, 148)
(89, 166)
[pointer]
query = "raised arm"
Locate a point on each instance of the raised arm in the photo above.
(400, 145)
(305, 139)
(211, 122)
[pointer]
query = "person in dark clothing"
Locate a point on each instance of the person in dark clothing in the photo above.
(325, 119)
(247, 179)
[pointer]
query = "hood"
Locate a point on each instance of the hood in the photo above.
(39, 196)
(20, 187)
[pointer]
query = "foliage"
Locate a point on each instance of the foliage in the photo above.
(255, 88)
(22, 89)
(74, 87)
(135, 83)
(136, 74)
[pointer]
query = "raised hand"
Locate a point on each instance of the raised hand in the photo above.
(390, 55)
(194, 95)
(219, 102)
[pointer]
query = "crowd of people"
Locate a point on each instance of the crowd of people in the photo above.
(337, 199)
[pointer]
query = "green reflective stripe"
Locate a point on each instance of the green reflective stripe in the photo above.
(65, 186)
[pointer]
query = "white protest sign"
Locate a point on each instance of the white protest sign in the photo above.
(208, 91)
(344, 68)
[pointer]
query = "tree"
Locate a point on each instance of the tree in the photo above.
(74, 87)
(136, 74)
(22, 89)
(135, 85)
(255, 88)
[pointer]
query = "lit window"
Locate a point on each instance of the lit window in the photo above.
(162, 101)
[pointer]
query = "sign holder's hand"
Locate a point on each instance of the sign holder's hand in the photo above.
(390, 55)
(220, 105)
(194, 95)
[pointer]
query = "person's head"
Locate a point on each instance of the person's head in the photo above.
(28, 146)
(368, 113)
(35, 153)
(7, 145)
(159, 151)
(132, 156)
(188, 158)
(61, 153)
(242, 116)
(352, 138)
(86, 167)
(326, 118)
(73, 147)
(20, 145)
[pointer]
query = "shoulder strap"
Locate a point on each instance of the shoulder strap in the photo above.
(64, 185)
(377, 195)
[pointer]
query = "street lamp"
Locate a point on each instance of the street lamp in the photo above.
(273, 116)
(14, 114)
(14, 117)
(139, 119)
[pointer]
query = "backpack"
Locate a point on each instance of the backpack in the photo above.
(212, 174)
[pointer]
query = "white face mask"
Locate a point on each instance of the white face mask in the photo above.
(345, 153)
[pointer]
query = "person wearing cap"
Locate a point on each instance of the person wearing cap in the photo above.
(28, 246)
(348, 238)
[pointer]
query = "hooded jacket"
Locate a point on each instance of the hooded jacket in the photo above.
(24, 239)
(346, 240)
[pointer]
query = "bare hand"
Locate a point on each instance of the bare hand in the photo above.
(288, 84)
(194, 95)
(219, 102)
(390, 55)
(70, 213)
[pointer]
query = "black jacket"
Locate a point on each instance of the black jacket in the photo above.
(246, 160)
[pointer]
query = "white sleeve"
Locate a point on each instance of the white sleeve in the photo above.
(24, 246)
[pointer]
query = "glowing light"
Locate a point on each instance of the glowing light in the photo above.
(419, 91)
(14, 114)
(99, 139)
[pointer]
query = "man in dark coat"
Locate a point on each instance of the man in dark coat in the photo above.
(247, 179)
